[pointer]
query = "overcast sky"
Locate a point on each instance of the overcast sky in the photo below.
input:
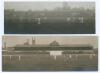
(44, 5)
(14, 40)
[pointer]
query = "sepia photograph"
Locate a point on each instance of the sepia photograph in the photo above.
(44, 17)
(49, 53)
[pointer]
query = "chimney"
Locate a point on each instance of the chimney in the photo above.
(33, 41)
(27, 41)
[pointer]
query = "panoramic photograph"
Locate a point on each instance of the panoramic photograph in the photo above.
(49, 53)
(45, 17)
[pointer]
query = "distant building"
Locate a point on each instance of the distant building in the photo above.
(65, 6)
(54, 43)
(54, 46)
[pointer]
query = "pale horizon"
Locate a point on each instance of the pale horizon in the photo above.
(24, 6)
(46, 40)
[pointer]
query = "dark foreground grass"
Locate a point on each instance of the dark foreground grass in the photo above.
(45, 62)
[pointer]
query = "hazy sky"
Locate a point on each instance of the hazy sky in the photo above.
(44, 5)
(14, 40)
